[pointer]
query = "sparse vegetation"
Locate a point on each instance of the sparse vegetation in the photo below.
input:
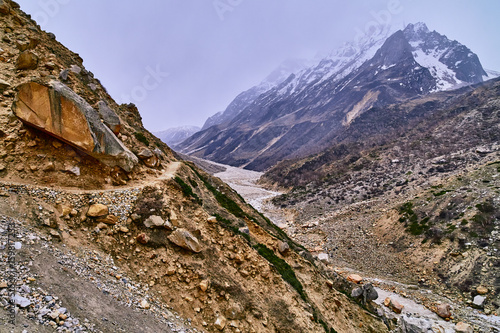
(141, 138)
(187, 190)
(283, 268)
(221, 198)
(440, 193)
(230, 226)
(410, 218)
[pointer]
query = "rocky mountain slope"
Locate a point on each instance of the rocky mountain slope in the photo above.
(116, 234)
(303, 114)
(409, 192)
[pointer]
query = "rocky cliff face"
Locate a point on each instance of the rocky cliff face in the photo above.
(117, 234)
(302, 114)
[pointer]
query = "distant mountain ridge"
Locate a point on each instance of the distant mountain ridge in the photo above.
(302, 114)
(175, 135)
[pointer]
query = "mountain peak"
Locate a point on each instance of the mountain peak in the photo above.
(394, 49)
(417, 27)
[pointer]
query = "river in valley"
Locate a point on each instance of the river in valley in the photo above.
(414, 318)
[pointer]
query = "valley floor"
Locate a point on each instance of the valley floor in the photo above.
(360, 251)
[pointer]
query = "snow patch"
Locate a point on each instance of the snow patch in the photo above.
(445, 77)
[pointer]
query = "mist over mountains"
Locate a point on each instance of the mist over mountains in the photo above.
(300, 114)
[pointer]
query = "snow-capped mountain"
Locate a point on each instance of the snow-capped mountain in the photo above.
(175, 135)
(450, 63)
(244, 99)
(305, 112)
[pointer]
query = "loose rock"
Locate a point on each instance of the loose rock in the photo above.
(393, 305)
(323, 257)
(355, 278)
(220, 323)
(108, 219)
(204, 285)
(462, 327)
(443, 310)
(142, 238)
(183, 238)
(157, 221)
(482, 290)
(283, 247)
(27, 60)
(478, 301)
(97, 210)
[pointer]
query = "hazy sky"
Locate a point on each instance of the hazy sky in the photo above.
(181, 61)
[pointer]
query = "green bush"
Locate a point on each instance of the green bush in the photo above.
(141, 138)
(438, 194)
(283, 268)
(187, 190)
(408, 215)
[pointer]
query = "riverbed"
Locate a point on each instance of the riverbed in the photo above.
(245, 183)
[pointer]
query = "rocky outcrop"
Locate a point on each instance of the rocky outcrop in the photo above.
(109, 117)
(149, 158)
(54, 108)
(184, 239)
(4, 7)
(366, 293)
(27, 60)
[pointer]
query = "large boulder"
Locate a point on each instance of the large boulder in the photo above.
(109, 117)
(366, 293)
(184, 239)
(149, 158)
(56, 109)
(98, 210)
(27, 60)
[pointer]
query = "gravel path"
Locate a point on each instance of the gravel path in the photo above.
(75, 292)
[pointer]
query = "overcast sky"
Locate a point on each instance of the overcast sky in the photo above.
(180, 61)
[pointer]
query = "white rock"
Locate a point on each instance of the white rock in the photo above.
(157, 221)
(145, 304)
(21, 301)
(323, 257)
(220, 323)
(479, 300)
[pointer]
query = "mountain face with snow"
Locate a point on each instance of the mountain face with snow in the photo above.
(175, 135)
(450, 63)
(304, 113)
(244, 99)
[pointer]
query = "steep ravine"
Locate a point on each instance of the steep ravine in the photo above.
(414, 298)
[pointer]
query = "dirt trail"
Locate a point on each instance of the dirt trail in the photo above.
(166, 174)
